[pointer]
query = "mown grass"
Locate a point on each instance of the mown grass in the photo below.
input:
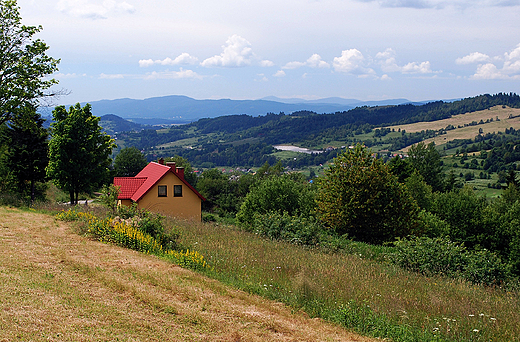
(367, 296)
(58, 286)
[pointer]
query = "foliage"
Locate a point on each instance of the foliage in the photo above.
(359, 196)
(108, 197)
(78, 151)
(427, 161)
(24, 63)
(189, 259)
(26, 155)
(463, 210)
(300, 230)
(281, 194)
(135, 236)
(430, 225)
(440, 256)
(129, 162)
(419, 190)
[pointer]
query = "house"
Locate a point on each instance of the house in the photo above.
(161, 188)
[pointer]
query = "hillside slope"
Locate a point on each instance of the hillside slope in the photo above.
(58, 286)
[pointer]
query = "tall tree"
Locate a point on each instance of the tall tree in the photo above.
(427, 160)
(27, 150)
(359, 196)
(24, 63)
(129, 162)
(79, 152)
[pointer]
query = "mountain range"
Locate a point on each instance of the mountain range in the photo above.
(178, 109)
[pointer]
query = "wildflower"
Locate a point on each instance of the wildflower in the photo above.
(475, 330)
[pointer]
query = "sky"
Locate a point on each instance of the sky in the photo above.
(310, 49)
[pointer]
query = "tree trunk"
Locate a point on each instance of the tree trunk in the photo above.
(32, 191)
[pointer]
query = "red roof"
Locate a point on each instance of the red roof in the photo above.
(135, 188)
(128, 186)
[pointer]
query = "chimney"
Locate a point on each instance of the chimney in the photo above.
(171, 165)
(180, 172)
(161, 161)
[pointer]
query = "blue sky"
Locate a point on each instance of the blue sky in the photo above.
(362, 49)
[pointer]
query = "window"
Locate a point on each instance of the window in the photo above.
(177, 191)
(162, 189)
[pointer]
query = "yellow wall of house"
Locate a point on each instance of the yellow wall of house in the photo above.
(126, 202)
(186, 207)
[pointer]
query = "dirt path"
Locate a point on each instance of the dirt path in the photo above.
(58, 286)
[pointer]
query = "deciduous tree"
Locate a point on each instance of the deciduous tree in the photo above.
(24, 63)
(129, 162)
(79, 151)
(359, 196)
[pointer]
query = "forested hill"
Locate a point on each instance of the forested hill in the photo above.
(217, 139)
(280, 128)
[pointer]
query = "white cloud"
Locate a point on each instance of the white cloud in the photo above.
(352, 62)
(279, 73)
(510, 69)
(173, 75)
(111, 76)
(387, 60)
(474, 57)
(385, 77)
(144, 63)
(237, 53)
(183, 59)
(487, 72)
(417, 68)
(266, 63)
(313, 61)
(68, 75)
(93, 9)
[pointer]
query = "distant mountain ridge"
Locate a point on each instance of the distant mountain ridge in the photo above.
(178, 109)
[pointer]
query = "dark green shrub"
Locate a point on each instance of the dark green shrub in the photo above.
(441, 256)
(282, 226)
(431, 225)
(485, 267)
(429, 256)
(281, 194)
(208, 217)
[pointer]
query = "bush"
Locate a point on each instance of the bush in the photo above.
(282, 194)
(429, 256)
(431, 225)
(440, 256)
(300, 230)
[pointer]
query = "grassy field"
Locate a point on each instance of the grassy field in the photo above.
(56, 285)
(507, 117)
(404, 306)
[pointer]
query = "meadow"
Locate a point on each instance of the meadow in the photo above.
(366, 295)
